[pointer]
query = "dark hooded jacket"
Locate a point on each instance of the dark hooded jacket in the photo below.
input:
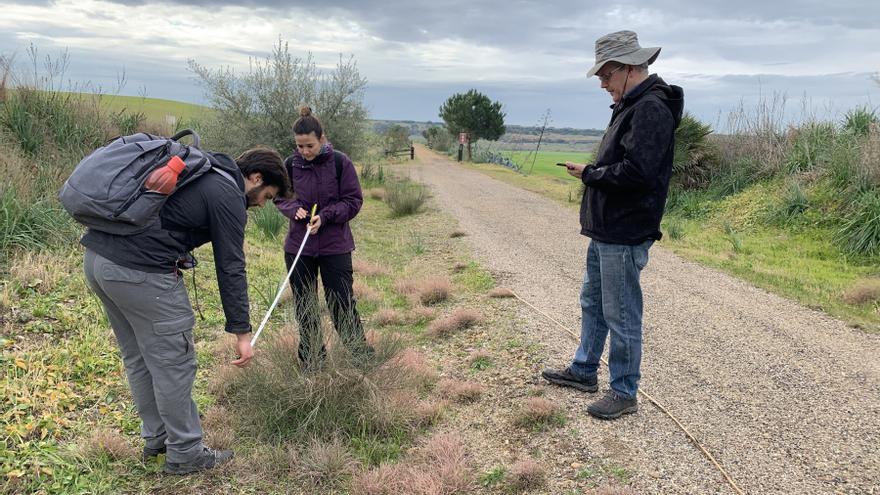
(339, 200)
(626, 186)
(210, 209)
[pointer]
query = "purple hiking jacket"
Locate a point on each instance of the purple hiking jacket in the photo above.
(338, 202)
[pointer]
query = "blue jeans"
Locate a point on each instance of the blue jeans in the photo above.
(611, 300)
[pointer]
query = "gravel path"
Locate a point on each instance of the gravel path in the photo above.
(786, 398)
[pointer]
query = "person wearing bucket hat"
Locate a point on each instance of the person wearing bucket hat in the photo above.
(624, 198)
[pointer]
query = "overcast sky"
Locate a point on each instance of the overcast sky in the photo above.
(531, 56)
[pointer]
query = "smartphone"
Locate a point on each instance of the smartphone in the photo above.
(562, 165)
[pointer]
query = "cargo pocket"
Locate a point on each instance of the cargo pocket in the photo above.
(115, 273)
(174, 339)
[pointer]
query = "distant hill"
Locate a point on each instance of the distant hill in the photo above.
(518, 137)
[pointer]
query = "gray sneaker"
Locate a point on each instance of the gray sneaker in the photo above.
(613, 406)
(566, 378)
(208, 459)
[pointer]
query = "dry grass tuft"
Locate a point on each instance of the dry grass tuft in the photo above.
(421, 314)
(613, 490)
(439, 467)
(383, 480)
(218, 427)
(457, 233)
(480, 359)
(460, 319)
(501, 292)
(327, 463)
(526, 474)
(416, 369)
(222, 379)
(387, 316)
(459, 267)
(39, 271)
(377, 193)
(363, 292)
(536, 411)
(432, 290)
(430, 412)
(368, 269)
(863, 291)
(460, 391)
(104, 441)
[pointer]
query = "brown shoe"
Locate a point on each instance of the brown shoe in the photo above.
(613, 406)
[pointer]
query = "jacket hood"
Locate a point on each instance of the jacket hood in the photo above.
(672, 96)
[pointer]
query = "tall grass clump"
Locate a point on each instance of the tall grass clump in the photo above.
(405, 197)
(44, 133)
(372, 175)
(859, 233)
(345, 394)
(811, 146)
(858, 121)
(269, 220)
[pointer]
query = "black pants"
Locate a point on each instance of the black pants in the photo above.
(336, 275)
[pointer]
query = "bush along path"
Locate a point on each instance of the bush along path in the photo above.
(786, 398)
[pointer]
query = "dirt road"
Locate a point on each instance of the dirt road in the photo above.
(786, 398)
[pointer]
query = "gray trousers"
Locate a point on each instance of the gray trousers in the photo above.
(153, 320)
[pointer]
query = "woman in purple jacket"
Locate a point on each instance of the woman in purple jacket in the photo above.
(327, 178)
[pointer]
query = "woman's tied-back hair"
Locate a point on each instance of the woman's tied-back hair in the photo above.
(307, 123)
(269, 164)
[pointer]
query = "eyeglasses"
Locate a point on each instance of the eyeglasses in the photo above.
(605, 78)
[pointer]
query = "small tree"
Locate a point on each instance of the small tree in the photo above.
(475, 114)
(438, 138)
(397, 138)
(261, 105)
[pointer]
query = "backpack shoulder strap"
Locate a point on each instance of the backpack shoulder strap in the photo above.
(337, 158)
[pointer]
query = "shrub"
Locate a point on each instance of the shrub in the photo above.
(432, 290)
(405, 197)
(259, 106)
(695, 155)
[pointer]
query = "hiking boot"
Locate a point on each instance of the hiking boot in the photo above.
(567, 378)
(208, 459)
(148, 454)
(613, 406)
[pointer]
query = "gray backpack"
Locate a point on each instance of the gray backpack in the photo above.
(106, 190)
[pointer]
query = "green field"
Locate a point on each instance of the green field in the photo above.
(154, 109)
(545, 163)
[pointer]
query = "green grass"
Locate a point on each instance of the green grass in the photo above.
(545, 163)
(154, 109)
(799, 262)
